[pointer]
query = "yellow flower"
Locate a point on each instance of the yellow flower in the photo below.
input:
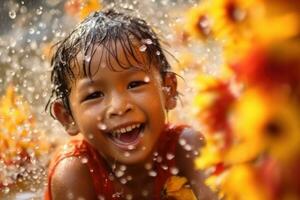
(265, 121)
(176, 187)
(241, 183)
(211, 154)
(17, 128)
(198, 23)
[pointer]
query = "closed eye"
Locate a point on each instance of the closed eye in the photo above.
(134, 84)
(94, 95)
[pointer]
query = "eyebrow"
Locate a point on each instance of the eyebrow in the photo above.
(127, 72)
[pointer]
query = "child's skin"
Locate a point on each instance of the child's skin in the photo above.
(109, 101)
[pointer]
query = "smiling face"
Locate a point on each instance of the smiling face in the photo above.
(121, 112)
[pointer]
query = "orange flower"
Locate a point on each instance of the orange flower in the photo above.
(214, 101)
(177, 189)
(277, 64)
(82, 8)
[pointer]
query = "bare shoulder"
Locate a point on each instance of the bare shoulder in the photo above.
(72, 179)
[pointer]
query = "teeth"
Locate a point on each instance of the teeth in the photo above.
(118, 132)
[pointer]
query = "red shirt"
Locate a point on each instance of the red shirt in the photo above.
(100, 171)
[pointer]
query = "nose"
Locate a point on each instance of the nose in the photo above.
(119, 105)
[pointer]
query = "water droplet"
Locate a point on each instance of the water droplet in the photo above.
(126, 154)
(148, 166)
(70, 195)
(117, 195)
(158, 53)
(174, 170)
(182, 142)
(147, 41)
(129, 178)
(152, 173)
(170, 156)
(102, 126)
(6, 190)
(84, 160)
(147, 79)
(91, 136)
(39, 11)
(129, 197)
(143, 48)
(87, 58)
(123, 181)
(145, 193)
(131, 147)
(159, 159)
(119, 173)
(165, 167)
(100, 197)
(187, 147)
(123, 167)
(12, 14)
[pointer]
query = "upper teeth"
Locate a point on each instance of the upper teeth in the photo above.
(126, 129)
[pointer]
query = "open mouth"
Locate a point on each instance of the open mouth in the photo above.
(127, 137)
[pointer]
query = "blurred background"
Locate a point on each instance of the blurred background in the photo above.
(241, 87)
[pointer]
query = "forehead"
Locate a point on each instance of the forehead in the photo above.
(115, 55)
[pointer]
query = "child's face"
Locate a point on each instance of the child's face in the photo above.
(122, 112)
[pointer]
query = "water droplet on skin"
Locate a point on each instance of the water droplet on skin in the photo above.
(187, 147)
(131, 147)
(158, 53)
(182, 142)
(170, 156)
(126, 154)
(12, 14)
(165, 167)
(123, 167)
(145, 193)
(147, 79)
(159, 159)
(143, 48)
(152, 173)
(123, 181)
(119, 173)
(84, 160)
(174, 170)
(129, 178)
(102, 126)
(148, 166)
(91, 136)
(100, 197)
(117, 195)
(129, 197)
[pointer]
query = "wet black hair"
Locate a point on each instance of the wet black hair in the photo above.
(103, 28)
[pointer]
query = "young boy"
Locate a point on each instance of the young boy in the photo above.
(113, 87)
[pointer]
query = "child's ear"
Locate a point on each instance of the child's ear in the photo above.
(64, 117)
(170, 90)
